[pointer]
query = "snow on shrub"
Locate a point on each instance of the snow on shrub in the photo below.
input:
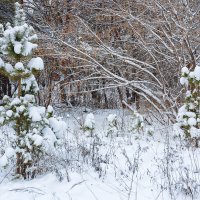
(188, 117)
(137, 122)
(112, 125)
(35, 126)
(89, 123)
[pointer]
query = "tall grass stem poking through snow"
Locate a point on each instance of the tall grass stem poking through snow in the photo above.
(35, 127)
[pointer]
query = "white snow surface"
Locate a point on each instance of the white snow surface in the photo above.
(132, 166)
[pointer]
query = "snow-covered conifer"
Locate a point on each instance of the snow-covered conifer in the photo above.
(189, 114)
(35, 126)
(112, 125)
(137, 121)
(89, 123)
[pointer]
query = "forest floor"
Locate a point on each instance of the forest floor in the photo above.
(150, 164)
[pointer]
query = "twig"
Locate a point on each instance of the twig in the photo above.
(6, 175)
(76, 185)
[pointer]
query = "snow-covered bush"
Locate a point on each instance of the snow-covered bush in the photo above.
(35, 126)
(149, 131)
(89, 123)
(137, 122)
(112, 125)
(189, 114)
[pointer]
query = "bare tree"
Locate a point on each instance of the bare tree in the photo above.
(133, 49)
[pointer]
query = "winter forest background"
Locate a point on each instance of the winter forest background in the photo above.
(100, 99)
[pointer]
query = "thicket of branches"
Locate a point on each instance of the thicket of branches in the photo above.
(101, 53)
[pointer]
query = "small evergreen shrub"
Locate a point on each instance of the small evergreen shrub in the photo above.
(189, 114)
(36, 128)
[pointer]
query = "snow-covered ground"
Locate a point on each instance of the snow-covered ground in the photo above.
(144, 165)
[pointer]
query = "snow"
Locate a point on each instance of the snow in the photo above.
(5, 98)
(20, 37)
(33, 37)
(192, 74)
(19, 66)
(54, 124)
(29, 98)
(49, 109)
(28, 48)
(190, 114)
(15, 101)
(185, 70)
(49, 136)
(3, 161)
(10, 152)
(112, 125)
(188, 93)
(194, 132)
(18, 47)
(2, 108)
(9, 68)
(192, 121)
(37, 139)
(1, 120)
(85, 187)
(184, 81)
(111, 118)
(153, 163)
(29, 83)
(197, 73)
(21, 108)
(36, 64)
(191, 106)
(1, 63)
(89, 121)
(58, 126)
(36, 113)
(128, 167)
(9, 113)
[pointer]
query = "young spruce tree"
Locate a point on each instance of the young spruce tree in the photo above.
(35, 126)
(189, 114)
